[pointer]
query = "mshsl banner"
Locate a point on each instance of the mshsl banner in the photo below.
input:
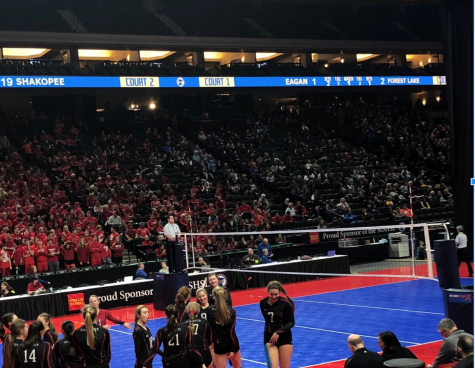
(75, 301)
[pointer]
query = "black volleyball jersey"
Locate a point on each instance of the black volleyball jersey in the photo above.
(102, 344)
(279, 317)
(48, 337)
(39, 355)
(206, 313)
(224, 334)
(182, 315)
(175, 346)
(144, 343)
(201, 333)
(62, 357)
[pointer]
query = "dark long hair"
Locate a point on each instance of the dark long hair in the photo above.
(68, 329)
(15, 328)
(390, 341)
(183, 294)
(7, 319)
(171, 311)
(34, 334)
(51, 327)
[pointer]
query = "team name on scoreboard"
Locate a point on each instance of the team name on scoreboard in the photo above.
(32, 81)
(139, 82)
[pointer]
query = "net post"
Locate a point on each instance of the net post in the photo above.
(428, 251)
(186, 251)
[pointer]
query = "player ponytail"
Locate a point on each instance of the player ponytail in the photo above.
(138, 312)
(192, 309)
(171, 312)
(51, 327)
(89, 314)
(182, 296)
(223, 314)
(34, 334)
(276, 285)
(7, 320)
(68, 328)
(15, 329)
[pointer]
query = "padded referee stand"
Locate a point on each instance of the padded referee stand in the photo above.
(404, 363)
(165, 288)
(445, 256)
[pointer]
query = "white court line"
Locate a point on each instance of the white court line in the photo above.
(324, 330)
(366, 306)
(123, 332)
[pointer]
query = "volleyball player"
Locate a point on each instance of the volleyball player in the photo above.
(181, 300)
(223, 322)
(143, 338)
(93, 341)
(103, 315)
(201, 333)
(50, 335)
(7, 320)
(278, 313)
(213, 283)
(33, 352)
(179, 350)
(206, 310)
(13, 340)
(65, 353)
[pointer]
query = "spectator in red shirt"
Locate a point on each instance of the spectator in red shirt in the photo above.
(95, 249)
(287, 218)
(143, 232)
(4, 221)
(35, 286)
(114, 234)
(52, 257)
(220, 204)
(117, 249)
(68, 256)
(130, 235)
(18, 259)
(83, 252)
(147, 243)
(245, 207)
(41, 257)
(200, 248)
(106, 254)
(28, 255)
(6, 262)
(152, 225)
(276, 219)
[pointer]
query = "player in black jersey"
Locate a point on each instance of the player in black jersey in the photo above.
(201, 332)
(278, 312)
(65, 353)
(51, 335)
(93, 341)
(33, 352)
(181, 300)
(179, 350)
(206, 310)
(223, 322)
(213, 283)
(18, 331)
(143, 339)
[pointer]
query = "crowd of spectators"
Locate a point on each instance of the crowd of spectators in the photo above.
(75, 193)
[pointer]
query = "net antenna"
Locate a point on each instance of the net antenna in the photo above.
(384, 251)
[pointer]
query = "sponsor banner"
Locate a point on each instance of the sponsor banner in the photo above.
(75, 301)
(342, 234)
(461, 297)
(314, 238)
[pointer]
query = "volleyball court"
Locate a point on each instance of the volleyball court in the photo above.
(327, 311)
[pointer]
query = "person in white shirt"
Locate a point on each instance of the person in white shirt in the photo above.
(174, 248)
(462, 249)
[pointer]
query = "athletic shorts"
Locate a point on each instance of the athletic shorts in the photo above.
(42, 267)
(284, 338)
(226, 348)
(181, 362)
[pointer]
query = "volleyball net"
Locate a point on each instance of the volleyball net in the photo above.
(402, 250)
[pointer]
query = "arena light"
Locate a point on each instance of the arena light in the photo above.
(424, 101)
(326, 65)
(342, 60)
(364, 57)
(437, 98)
(23, 53)
(152, 106)
(262, 56)
(212, 55)
(94, 54)
(154, 54)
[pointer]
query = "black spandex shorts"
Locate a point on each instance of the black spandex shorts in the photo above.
(284, 338)
(181, 362)
(225, 348)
